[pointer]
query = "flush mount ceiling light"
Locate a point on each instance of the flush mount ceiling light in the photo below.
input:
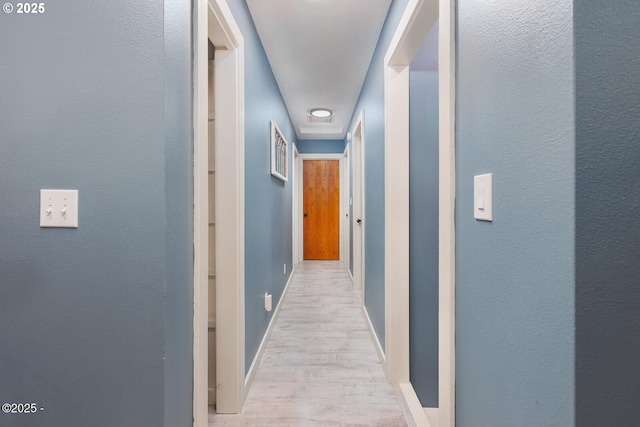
(321, 112)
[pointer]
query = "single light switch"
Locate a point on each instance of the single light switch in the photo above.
(59, 208)
(482, 197)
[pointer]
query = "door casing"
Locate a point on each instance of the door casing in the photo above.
(418, 18)
(296, 172)
(345, 219)
(359, 205)
(213, 20)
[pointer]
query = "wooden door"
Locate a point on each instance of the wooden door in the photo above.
(321, 209)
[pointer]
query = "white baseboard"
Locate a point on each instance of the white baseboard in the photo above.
(418, 413)
(376, 341)
(256, 360)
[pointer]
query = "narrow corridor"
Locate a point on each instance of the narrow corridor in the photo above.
(320, 366)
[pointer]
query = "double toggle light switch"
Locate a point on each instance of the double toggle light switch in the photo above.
(59, 208)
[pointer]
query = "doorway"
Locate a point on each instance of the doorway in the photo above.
(214, 21)
(343, 208)
(417, 20)
(345, 221)
(296, 175)
(321, 209)
(358, 224)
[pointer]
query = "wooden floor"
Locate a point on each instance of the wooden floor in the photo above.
(320, 366)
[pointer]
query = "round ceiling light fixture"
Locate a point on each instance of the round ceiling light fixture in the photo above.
(321, 112)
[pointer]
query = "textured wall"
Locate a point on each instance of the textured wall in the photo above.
(607, 46)
(309, 146)
(97, 96)
(178, 152)
(371, 101)
(515, 275)
(268, 238)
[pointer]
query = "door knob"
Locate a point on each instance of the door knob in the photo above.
(359, 221)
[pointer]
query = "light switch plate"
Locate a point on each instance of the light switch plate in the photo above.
(483, 197)
(59, 208)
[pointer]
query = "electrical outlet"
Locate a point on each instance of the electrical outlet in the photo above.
(268, 302)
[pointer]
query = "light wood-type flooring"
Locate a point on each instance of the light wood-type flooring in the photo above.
(320, 366)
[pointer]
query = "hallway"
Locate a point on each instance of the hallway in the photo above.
(320, 366)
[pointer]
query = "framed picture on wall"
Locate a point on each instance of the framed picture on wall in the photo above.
(279, 153)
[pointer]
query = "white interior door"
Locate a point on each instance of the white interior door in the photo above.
(358, 207)
(211, 335)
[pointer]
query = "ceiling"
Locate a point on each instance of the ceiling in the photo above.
(319, 51)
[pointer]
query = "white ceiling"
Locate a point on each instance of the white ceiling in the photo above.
(319, 51)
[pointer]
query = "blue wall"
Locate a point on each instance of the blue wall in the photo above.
(268, 238)
(312, 146)
(423, 237)
(515, 275)
(95, 322)
(371, 101)
(607, 49)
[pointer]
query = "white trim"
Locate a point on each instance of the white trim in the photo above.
(413, 405)
(345, 220)
(359, 203)
(295, 214)
(404, 45)
(397, 223)
(319, 156)
(214, 20)
(223, 31)
(374, 336)
(229, 195)
(200, 217)
(258, 358)
(447, 190)
(415, 24)
(299, 236)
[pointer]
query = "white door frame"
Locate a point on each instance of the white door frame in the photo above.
(214, 20)
(320, 156)
(345, 220)
(296, 215)
(417, 20)
(357, 140)
(298, 236)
